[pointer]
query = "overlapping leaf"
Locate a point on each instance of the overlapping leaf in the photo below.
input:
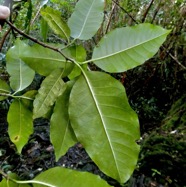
(54, 20)
(20, 124)
(50, 89)
(86, 19)
(62, 177)
(105, 124)
(44, 60)
(128, 47)
(21, 75)
(61, 133)
(4, 89)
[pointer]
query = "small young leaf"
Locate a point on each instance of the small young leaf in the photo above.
(44, 60)
(86, 19)
(4, 89)
(20, 125)
(62, 177)
(54, 20)
(128, 47)
(21, 75)
(50, 89)
(61, 133)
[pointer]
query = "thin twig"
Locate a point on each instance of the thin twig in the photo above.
(147, 10)
(4, 38)
(124, 11)
(110, 18)
(37, 41)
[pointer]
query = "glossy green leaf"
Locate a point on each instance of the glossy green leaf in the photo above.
(44, 60)
(4, 89)
(20, 125)
(61, 133)
(21, 75)
(62, 177)
(54, 20)
(128, 47)
(50, 89)
(86, 19)
(105, 124)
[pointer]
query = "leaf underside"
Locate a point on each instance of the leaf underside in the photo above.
(126, 48)
(105, 124)
(86, 19)
(21, 75)
(62, 177)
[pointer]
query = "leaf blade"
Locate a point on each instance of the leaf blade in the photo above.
(97, 102)
(54, 20)
(44, 60)
(57, 177)
(20, 125)
(50, 89)
(86, 19)
(126, 48)
(61, 133)
(21, 75)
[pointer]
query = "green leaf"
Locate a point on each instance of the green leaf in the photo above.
(54, 20)
(28, 98)
(128, 47)
(61, 133)
(20, 125)
(9, 183)
(62, 177)
(44, 29)
(44, 60)
(21, 75)
(105, 124)
(86, 19)
(50, 89)
(4, 89)
(79, 53)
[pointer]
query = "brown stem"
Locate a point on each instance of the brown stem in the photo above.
(4, 38)
(37, 41)
(147, 10)
(124, 11)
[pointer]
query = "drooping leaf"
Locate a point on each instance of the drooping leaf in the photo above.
(20, 125)
(21, 75)
(61, 133)
(62, 177)
(44, 60)
(54, 20)
(4, 89)
(86, 19)
(105, 124)
(126, 48)
(50, 89)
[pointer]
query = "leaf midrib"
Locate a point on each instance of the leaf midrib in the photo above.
(101, 117)
(121, 51)
(86, 19)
